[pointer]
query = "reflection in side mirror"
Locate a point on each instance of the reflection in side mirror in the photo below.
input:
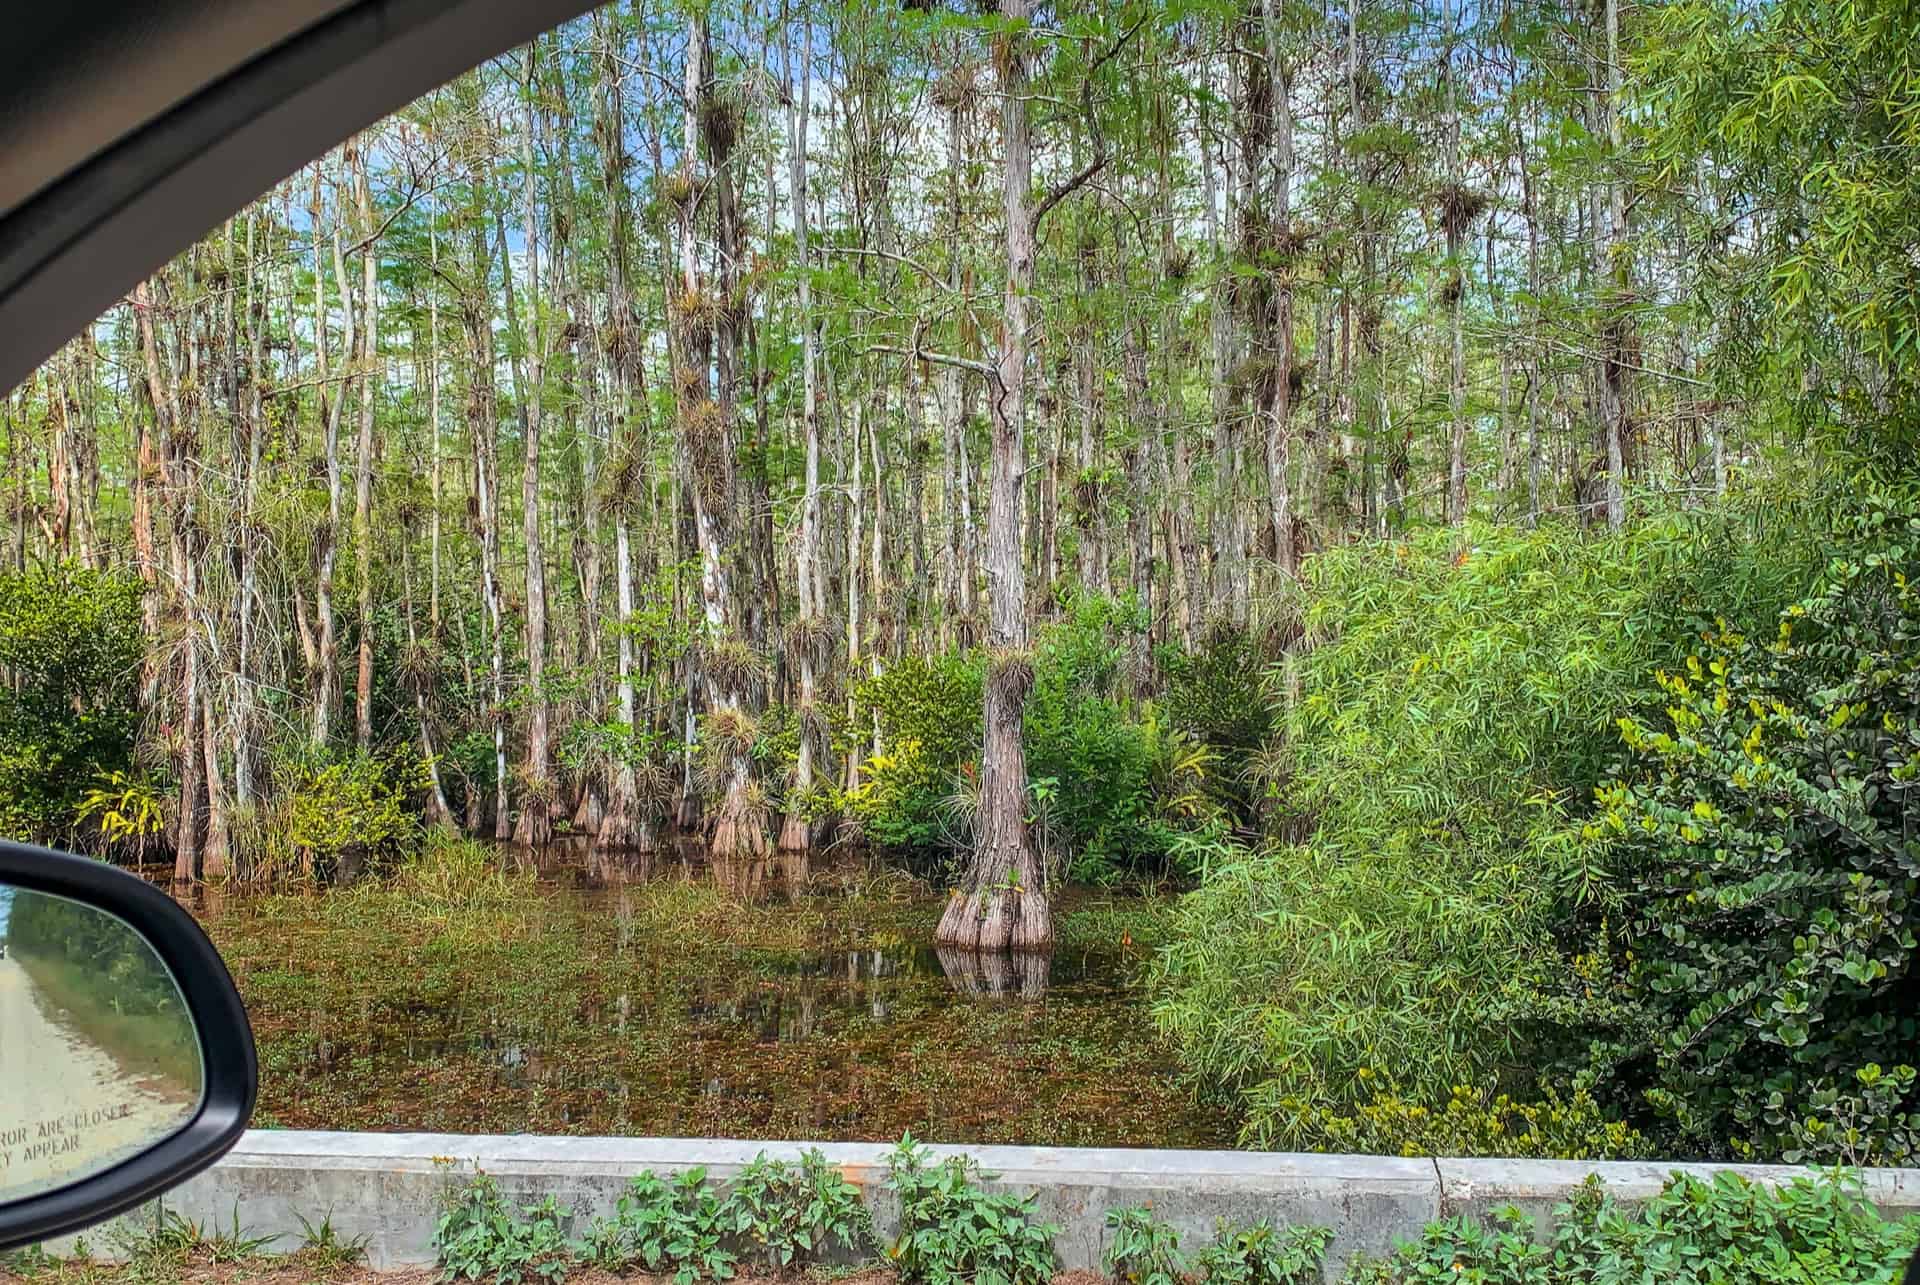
(99, 1058)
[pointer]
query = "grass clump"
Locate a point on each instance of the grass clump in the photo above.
(323, 1247)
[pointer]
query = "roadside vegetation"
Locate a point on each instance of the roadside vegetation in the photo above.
(802, 1220)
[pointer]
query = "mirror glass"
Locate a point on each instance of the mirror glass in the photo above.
(99, 1059)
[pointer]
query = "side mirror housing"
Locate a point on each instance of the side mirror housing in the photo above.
(127, 1064)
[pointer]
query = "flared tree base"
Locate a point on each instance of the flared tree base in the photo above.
(996, 919)
(535, 826)
(796, 834)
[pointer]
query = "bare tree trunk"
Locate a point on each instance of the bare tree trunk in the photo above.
(796, 834)
(704, 313)
(1004, 902)
(1536, 365)
(370, 383)
(1610, 280)
(1228, 581)
(1455, 214)
(483, 415)
(622, 827)
(535, 825)
(1279, 413)
(327, 682)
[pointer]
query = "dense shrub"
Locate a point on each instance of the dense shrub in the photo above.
(70, 651)
(1091, 756)
(1454, 708)
(346, 813)
(791, 1212)
(1760, 839)
(928, 709)
(951, 1231)
(1544, 1125)
(1217, 694)
(480, 1236)
(1265, 1255)
(1695, 1232)
(1142, 1248)
(676, 1226)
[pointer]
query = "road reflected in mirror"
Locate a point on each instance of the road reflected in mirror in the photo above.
(98, 1055)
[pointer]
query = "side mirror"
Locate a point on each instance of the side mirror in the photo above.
(126, 1061)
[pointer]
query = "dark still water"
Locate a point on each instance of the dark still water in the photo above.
(689, 1002)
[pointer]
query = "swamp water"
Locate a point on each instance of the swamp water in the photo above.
(681, 1001)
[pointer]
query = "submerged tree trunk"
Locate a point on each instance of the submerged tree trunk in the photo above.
(1004, 899)
(706, 312)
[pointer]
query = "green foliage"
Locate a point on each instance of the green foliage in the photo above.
(1451, 708)
(1476, 1123)
(1265, 1255)
(1761, 835)
(1081, 735)
(349, 806)
(1812, 1231)
(952, 1232)
(1217, 695)
(122, 809)
(677, 1226)
(1113, 784)
(791, 1211)
(70, 651)
(479, 1235)
(1800, 111)
(1501, 1251)
(1143, 1249)
(929, 715)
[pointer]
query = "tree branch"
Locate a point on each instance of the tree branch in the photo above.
(938, 358)
(915, 264)
(1099, 162)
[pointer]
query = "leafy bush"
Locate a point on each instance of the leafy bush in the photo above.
(929, 715)
(1143, 1249)
(1761, 838)
(1818, 1231)
(1477, 1123)
(1079, 736)
(1265, 1255)
(791, 1211)
(951, 1231)
(1501, 1251)
(70, 652)
(1451, 711)
(1217, 694)
(347, 808)
(479, 1235)
(660, 1225)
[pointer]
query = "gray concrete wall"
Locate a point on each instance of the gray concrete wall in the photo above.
(386, 1186)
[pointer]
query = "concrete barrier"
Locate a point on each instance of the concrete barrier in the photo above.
(386, 1187)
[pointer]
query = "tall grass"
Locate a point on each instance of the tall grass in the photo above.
(1452, 710)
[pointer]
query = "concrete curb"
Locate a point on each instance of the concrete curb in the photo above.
(386, 1186)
